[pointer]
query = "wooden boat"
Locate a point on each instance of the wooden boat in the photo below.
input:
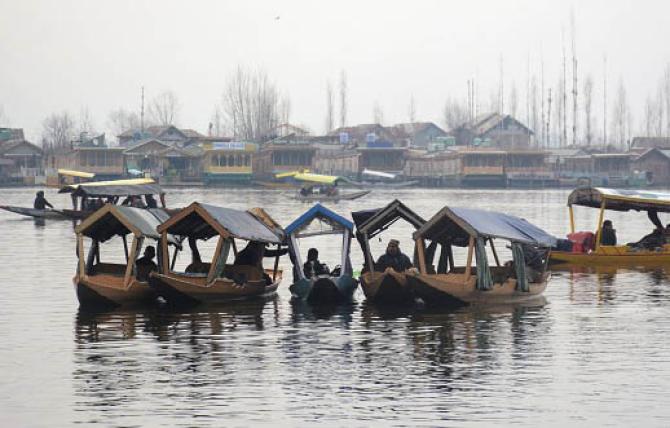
(615, 255)
(333, 286)
(100, 283)
(35, 213)
(522, 279)
(323, 197)
(388, 286)
(216, 280)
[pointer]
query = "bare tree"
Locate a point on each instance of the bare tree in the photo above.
(58, 129)
(558, 122)
(377, 113)
(574, 77)
(411, 110)
(216, 126)
(251, 104)
(343, 98)
(284, 109)
(121, 120)
(513, 100)
(588, 100)
(455, 113)
(666, 95)
(534, 117)
(649, 111)
(621, 116)
(164, 109)
(330, 109)
(85, 123)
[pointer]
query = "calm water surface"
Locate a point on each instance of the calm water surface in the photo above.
(595, 353)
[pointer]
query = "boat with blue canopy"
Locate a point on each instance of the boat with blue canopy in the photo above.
(313, 281)
(383, 285)
(521, 279)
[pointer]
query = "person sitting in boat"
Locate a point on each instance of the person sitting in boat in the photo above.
(145, 264)
(655, 239)
(151, 202)
(607, 234)
(196, 266)
(252, 255)
(313, 267)
(40, 201)
(393, 258)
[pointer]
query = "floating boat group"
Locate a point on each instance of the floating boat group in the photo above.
(455, 258)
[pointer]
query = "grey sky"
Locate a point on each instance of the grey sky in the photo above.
(63, 55)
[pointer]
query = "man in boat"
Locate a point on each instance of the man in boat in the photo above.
(40, 201)
(151, 202)
(313, 267)
(607, 234)
(651, 241)
(393, 258)
(252, 255)
(196, 266)
(145, 264)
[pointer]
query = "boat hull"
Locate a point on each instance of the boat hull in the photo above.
(341, 197)
(109, 291)
(613, 256)
(35, 213)
(325, 289)
(454, 289)
(181, 289)
(386, 287)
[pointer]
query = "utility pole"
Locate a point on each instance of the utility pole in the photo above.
(142, 112)
(605, 100)
(565, 95)
(548, 118)
(574, 79)
(542, 96)
(502, 88)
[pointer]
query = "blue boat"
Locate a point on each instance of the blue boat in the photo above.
(313, 281)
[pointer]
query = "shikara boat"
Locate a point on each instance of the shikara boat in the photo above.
(522, 279)
(316, 284)
(47, 213)
(616, 255)
(111, 191)
(317, 187)
(69, 176)
(105, 283)
(217, 279)
(383, 286)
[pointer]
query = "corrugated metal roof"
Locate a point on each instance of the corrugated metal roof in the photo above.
(112, 220)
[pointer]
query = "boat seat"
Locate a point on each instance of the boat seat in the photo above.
(107, 269)
(242, 273)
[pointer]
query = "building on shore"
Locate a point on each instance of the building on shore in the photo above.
(167, 163)
(281, 156)
(598, 169)
(20, 160)
(501, 131)
(168, 134)
(528, 168)
(420, 134)
(644, 143)
(654, 166)
(228, 162)
(86, 154)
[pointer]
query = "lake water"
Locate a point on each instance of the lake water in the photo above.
(596, 352)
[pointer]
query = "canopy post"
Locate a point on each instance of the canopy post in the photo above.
(276, 266)
(572, 219)
(125, 247)
(174, 258)
(421, 248)
(165, 267)
(368, 255)
(468, 264)
(80, 248)
(131, 261)
(600, 224)
(495, 253)
(215, 259)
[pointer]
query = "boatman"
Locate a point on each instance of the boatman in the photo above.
(393, 258)
(41, 202)
(145, 264)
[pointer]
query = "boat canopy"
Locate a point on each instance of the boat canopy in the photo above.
(130, 187)
(112, 220)
(72, 173)
(330, 222)
(316, 178)
(456, 225)
(202, 221)
(620, 199)
(375, 221)
(290, 173)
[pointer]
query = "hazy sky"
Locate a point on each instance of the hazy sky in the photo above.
(65, 55)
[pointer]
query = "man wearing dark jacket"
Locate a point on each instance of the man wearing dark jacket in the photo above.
(393, 258)
(41, 202)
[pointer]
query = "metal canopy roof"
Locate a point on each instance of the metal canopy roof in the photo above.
(620, 199)
(322, 213)
(456, 225)
(372, 222)
(131, 187)
(112, 220)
